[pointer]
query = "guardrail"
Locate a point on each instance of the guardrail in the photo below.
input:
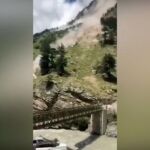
(42, 119)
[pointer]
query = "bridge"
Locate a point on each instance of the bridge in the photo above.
(98, 117)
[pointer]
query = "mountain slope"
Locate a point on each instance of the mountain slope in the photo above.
(90, 27)
(80, 38)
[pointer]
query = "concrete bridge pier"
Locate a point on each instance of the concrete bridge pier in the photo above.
(99, 122)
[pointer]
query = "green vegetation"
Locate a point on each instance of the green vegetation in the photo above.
(47, 60)
(52, 59)
(89, 66)
(109, 22)
(79, 123)
(107, 68)
(48, 35)
(82, 123)
(82, 61)
(61, 61)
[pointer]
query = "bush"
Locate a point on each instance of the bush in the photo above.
(36, 46)
(44, 64)
(81, 123)
(107, 67)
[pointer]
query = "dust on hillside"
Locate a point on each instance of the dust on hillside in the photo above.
(90, 25)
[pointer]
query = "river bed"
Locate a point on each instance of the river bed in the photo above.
(77, 140)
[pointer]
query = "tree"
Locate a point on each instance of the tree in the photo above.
(109, 27)
(61, 62)
(107, 67)
(47, 59)
(52, 59)
(44, 63)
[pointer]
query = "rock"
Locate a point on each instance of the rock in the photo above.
(36, 65)
(111, 111)
(112, 129)
(69, 96)
(81, 94)
(44, 99)
(62, 104)
(39, 105)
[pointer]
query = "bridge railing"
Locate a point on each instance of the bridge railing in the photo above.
(76, 111)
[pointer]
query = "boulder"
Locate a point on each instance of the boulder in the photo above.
(81, 94)
(112, 129)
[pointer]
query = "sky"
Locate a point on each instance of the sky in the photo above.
(55, 13)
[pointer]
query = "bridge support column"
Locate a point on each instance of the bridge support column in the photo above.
(103, 121)
(99, 122)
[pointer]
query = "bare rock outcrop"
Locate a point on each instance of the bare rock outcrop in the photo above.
(112, 129)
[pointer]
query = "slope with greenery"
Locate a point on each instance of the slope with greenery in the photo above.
(82, 68)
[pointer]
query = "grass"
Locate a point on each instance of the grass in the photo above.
(81, 63)
(82, 60)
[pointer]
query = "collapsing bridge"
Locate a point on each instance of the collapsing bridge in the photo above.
(98, 117)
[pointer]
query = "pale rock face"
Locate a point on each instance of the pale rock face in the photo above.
(39, 105)
(112, 129)
(111, 112)
(36, 66)
(111, 109)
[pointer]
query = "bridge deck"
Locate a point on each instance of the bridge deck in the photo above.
(53, 117)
